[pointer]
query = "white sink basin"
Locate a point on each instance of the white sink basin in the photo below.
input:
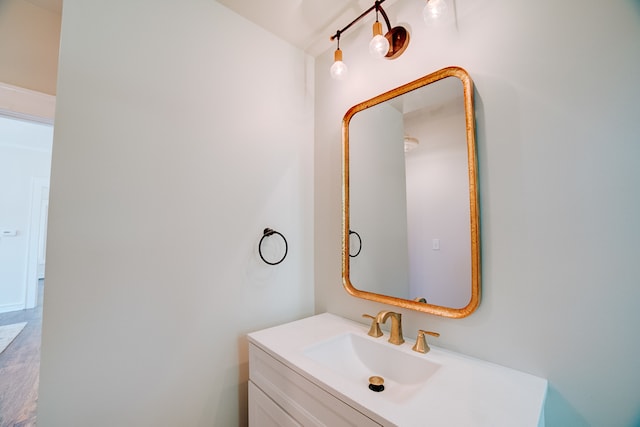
(358, 357)
(440, 388)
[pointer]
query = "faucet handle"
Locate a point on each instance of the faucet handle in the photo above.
(421, 345)
(374, 330)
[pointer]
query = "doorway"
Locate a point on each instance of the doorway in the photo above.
(25, 165)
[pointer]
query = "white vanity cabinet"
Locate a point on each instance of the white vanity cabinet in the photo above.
(315, 372)
(279, 396)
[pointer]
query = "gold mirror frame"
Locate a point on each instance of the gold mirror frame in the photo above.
(467, 85)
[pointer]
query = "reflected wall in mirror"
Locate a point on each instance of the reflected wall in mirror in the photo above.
(410, 194)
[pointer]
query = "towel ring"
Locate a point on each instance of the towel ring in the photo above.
(269, 232)
(359, 240)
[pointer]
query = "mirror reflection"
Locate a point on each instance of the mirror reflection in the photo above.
(410, 197)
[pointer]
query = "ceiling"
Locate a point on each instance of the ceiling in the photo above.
(306, 24)
(54, 6)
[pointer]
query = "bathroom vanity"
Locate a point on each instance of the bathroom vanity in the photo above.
(315, 372)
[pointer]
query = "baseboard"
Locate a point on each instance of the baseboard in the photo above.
(11, 307)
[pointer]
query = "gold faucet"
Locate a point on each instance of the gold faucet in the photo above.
(396, 325)
(374, 330)
(421, 345)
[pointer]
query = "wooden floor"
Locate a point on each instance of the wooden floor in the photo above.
(19, 368)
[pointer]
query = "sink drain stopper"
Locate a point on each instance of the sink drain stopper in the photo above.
(376, 383)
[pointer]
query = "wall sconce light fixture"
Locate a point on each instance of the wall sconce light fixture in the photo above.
(339, 70)
(379, 45)
(389, 46)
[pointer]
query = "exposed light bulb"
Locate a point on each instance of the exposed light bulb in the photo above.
(410, 143)
(338, 70)
(434, 10)
(379, 45)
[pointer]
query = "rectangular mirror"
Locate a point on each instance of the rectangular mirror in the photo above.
(410, 200)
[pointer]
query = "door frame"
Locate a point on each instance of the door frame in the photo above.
(35, 234)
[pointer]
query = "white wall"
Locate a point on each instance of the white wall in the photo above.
(438, 205)
(25, 155)
(182, 131)
(558, 147)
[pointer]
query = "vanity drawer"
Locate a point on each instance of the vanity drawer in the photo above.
(303, 401)
(264, 412)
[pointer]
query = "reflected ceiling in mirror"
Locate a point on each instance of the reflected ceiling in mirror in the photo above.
(410, 200)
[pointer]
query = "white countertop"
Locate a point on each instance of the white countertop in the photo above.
(464, 391)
